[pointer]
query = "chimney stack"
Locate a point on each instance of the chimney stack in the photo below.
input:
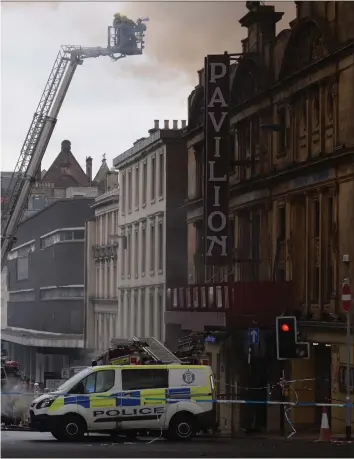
(156, 124)
(89, 168)
(184, 123)
(175, 124)
(167, 124)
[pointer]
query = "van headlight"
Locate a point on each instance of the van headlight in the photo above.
(45, 403)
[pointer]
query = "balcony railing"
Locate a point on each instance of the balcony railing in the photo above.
(236, 299)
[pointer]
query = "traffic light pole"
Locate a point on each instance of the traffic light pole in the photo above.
(346, 304)
(348, 424)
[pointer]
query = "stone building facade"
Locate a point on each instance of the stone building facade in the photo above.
(291, 199)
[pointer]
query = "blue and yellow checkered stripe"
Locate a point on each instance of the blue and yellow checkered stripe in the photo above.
(134, 398)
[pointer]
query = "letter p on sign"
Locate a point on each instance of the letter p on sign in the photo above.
(214, 74)
(346, 297)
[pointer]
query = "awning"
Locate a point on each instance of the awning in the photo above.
(39, 339)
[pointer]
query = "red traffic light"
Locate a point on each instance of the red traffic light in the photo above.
(285, 328)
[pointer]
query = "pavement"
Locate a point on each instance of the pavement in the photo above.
(38, 445)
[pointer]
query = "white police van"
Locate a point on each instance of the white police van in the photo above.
(174, 400)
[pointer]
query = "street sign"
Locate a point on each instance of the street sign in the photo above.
(210, 339)
(346, 297)
(253, 336)
(65, 373)
(53, 384)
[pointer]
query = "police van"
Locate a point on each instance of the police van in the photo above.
(174, 400)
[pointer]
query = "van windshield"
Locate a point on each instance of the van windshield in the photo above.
(74, 380)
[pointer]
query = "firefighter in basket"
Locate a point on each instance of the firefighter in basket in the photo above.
(125, 34)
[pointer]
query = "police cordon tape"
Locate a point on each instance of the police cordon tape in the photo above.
(177, 400)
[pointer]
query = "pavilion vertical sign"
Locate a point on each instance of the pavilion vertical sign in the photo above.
(217, 159)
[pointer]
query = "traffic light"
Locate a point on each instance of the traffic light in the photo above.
(288, 347)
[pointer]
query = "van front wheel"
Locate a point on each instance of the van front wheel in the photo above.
(181, 427)
(71, 428)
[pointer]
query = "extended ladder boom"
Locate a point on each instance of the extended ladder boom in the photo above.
(40, 132)
(158, 351)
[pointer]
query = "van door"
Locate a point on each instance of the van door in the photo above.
(192, 383)
(93, 401)
(144, 397)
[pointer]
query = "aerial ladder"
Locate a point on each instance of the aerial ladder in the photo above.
(157, 350)
(45, 118)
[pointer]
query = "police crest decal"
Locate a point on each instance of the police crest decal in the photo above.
(188, 377)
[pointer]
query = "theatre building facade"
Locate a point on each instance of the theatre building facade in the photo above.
(290, 215)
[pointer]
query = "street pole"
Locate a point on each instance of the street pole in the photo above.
(346, 304)
(348, 424)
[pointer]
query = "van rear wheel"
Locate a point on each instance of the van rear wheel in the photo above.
(181, 427)
(71, 428)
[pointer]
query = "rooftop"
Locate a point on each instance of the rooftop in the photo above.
(157, 135)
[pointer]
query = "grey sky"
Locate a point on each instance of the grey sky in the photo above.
(109, 104)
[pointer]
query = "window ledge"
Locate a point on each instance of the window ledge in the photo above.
(152, 201)
(152, 272)
(160, 198)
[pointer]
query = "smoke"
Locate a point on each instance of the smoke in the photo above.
(180, 34)
(15, 401)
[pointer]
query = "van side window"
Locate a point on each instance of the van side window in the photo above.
(99, 381)
(144, 379)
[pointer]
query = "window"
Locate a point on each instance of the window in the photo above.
(123, 193)
(152, 246)
(22, 267)
(153, 177)
(144, 182)
(143, 248)
(316, 107)
(281, 223)
(129, 190)
(62, 235)
(21, 296)
(144, 379)
(316, 284)
(114, 287)
(282, 132)
(162, 175)
(97, 292)
(160, 239)
(137, 190)
(199, 173)
(62, 293)
(124, 249)
(129, 254)
(108, 280)
(100, 381)
(136, 251)
(316, 218)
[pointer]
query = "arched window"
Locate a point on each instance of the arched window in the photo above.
(307, 44)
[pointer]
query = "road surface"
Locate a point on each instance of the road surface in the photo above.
(38, 445)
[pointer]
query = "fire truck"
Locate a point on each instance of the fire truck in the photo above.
(141, 351)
